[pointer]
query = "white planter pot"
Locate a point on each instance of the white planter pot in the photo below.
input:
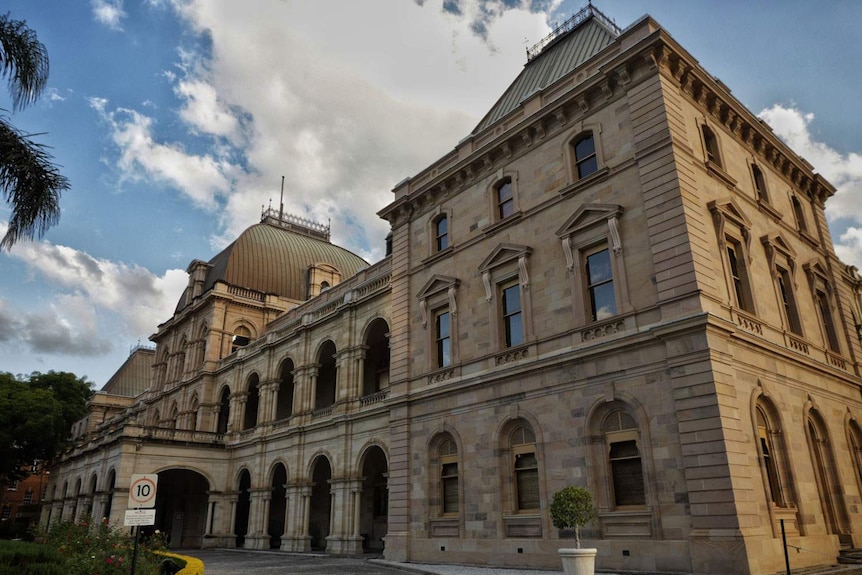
(578, 561)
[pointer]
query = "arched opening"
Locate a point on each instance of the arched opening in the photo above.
(77, 497)
(826, 477)
(194, 413)
(93, 482)
(284, 403)
(251, 403)
(223, 411)
(243, 506)
(181, 507)
(376, 370)
(321, 503)
(175, 415)
(277, 506)
(374, 517)
(241, 338)
(327, 376)
(109, 494)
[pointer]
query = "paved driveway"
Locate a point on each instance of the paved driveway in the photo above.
(238, 562)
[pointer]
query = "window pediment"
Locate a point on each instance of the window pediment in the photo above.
(730, 210)
(503, 254)
(437, 284)
(587, 216)
(777, 242)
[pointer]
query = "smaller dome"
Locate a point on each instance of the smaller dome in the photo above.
(276, 259)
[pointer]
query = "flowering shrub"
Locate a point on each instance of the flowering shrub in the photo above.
(102, 549)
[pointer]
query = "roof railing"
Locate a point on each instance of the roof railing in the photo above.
(296, 223)
(581, 16)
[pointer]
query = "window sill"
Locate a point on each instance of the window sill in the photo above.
(765, 206)
(717, 171)
(445, 526)
(593, 178)
(635, 521)
(523, 525)
(500, 224)
(805, 235)
(444, 253)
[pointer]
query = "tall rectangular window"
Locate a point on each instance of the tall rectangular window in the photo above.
(759, 183)
(825, 313)
(788, 301)
(585, 156)
(441, 233)
(739, 276)
(505, 199)
(600, 285)
(512, 318)
(443, 337)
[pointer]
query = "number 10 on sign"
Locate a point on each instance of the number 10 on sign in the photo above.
(142, 491)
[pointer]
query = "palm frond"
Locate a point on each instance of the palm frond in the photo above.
(23, 60)
(30, 183)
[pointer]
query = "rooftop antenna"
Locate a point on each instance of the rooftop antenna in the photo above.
(281, 203)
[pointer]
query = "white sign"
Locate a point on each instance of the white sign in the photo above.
(142, 491)
(140, 517)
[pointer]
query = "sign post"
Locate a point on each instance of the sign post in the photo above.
(142, 500)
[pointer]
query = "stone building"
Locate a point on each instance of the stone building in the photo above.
(621, 279)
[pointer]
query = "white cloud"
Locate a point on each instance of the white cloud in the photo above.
(844, 171)
(94, 301)
(109, 12)
(201, 178)
(204, 111)
(336, 108)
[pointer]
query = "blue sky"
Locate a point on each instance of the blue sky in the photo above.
(175, 121)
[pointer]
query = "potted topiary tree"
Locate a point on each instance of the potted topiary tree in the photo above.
(571, 508)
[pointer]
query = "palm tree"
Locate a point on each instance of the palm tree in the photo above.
(29, 182)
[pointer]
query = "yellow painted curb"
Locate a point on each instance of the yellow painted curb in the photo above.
(194, 566)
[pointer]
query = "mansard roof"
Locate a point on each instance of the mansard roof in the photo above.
(570, 45)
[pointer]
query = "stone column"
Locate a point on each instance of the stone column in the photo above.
(341, 539)
(266, 407)
(296, 537)
(257, 537)
(237, 411)
(234, 499)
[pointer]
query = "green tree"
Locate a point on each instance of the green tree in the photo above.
(572, 508)
(29, 182)
(36, 414)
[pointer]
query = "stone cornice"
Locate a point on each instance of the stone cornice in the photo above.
(716, 101)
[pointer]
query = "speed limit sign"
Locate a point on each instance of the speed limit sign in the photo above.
(142, 491)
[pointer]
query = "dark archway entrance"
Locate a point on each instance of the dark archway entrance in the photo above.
(277, 505)
(243, 506)
(181, 507)
(374, 517)
(321, 503)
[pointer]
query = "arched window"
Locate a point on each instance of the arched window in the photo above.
(710, 144)
(525, 468)
(855, 434)
(624, 459)
(586, 161)
(826, 476)
(448, 474)
(505, 196)
(770, 454)
(759, 183)
(441, 233)
(241, 338)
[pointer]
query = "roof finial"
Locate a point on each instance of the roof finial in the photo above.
(281, 203)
